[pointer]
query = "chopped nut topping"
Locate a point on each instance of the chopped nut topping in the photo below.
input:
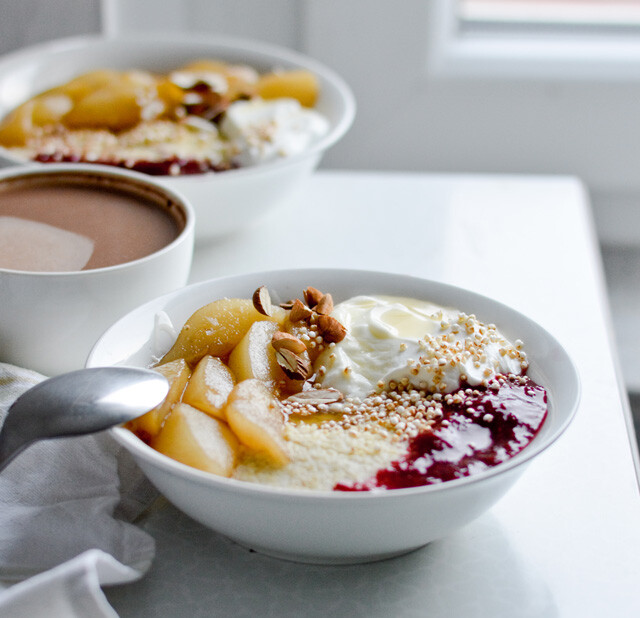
(262, 301)
(299, 311)
(312, 296)
(325, 305)
(330, 329)
(317, 396)
(282, 340)
(295, 367)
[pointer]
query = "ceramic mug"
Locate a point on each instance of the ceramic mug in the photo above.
(50, 320)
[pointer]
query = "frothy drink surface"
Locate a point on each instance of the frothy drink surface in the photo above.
(55, 225)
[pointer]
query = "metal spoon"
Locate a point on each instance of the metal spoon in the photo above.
(80, 402)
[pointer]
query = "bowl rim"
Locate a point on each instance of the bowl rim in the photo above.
(95, 170)
(193, 475)
(230, 43)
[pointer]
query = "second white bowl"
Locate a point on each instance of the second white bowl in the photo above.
(223, 202)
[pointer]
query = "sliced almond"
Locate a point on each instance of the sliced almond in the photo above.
(295, 367)
(262, 301)
(288, 305)
(312, 296)
(325, 305)
(299, 311)
(317, 396)
(330, 329)
(282, 340)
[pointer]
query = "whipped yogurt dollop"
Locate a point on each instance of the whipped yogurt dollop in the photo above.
(266, 130)
(417, 343)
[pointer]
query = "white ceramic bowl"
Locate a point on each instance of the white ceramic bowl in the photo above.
(223, 202)
(336, 527)
(50, 320)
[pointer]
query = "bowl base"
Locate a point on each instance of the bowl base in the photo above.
(328, 560)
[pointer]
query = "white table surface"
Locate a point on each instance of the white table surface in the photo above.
(565, 541)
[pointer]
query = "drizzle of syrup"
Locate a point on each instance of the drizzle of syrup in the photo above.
(487, 428)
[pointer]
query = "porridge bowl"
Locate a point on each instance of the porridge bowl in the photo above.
(233, 125)
(358, 518)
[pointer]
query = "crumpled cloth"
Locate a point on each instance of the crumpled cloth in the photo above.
(66, 507)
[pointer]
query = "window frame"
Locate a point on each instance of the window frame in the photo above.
(506, 51)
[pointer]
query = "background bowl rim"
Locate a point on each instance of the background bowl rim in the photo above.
(192, 475)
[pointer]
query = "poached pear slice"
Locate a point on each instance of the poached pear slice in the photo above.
(209, 386)
(215, 329)
(177, 373)
(198, 440)
(256, 419)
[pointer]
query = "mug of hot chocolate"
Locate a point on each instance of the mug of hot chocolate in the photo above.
(80, 245)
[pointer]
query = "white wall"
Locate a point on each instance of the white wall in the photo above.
(24, 22)
(407, 118)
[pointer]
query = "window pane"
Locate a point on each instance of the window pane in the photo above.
(619, 13)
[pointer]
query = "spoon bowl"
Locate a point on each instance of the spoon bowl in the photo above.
(77, 403)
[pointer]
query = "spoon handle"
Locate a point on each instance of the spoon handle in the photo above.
(77, 403)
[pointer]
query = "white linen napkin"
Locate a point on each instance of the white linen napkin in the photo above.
(65, 511)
